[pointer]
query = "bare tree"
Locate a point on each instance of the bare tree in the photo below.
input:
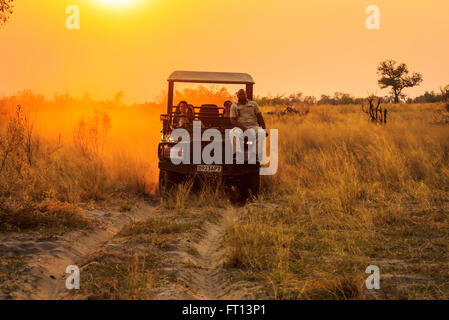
(5, 10)
(31, 143)
(13, 139)
(445, 96)
(397, 77)
(445, 93)
(374, 111)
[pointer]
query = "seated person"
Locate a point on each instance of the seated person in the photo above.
(245, 114)
(191, 112)
(227, 109)
(183, 115)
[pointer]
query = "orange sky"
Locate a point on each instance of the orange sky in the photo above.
(319, 46)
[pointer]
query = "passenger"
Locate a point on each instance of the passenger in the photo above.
(191, 112)
(227, 109)
(183, 115)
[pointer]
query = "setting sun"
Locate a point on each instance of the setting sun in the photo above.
(118, 2)
(186, 153)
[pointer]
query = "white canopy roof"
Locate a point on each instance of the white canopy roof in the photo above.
(211, 77)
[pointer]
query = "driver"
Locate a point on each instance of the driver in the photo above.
(245, 114)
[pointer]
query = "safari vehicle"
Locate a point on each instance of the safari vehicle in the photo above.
(245, 178)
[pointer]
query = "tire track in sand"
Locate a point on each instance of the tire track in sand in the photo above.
(200, 267)
(46, 260)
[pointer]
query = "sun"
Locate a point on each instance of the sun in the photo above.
(118, 6)
(118, 2)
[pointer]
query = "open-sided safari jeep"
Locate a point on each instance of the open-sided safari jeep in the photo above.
(243, 178)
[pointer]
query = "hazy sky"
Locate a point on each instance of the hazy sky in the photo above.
(315, 47)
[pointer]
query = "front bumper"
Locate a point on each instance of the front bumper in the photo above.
(228, 170)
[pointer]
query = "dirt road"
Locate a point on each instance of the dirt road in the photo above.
(193, 266)
(199, 266)
(38, 271)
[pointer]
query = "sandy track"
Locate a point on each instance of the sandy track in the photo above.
(46, 260)
(211, 259)
(200, 270)
(195, 264)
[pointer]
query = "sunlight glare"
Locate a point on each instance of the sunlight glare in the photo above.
(118, 2)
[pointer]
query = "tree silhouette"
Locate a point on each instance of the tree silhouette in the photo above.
(445, 93)
(397, 77)
(5, 10)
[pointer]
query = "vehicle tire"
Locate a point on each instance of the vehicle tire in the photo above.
(167, 182)
(253, 183)
(242, 188)
(249, 186)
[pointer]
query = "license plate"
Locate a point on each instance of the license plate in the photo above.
(208, 168)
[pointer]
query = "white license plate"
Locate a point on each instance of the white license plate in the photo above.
(208, 168)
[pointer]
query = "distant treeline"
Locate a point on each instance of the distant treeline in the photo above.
(299, 99)
(340, 98)
(432, 96)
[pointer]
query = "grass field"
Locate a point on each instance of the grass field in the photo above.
(348, 194)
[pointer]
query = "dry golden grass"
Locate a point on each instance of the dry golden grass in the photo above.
(47, 217)
(76, 150)
(67, 152)
(349, 194)
(204, 193)
(124, 276)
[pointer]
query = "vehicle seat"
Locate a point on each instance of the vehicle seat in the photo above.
(209, 114)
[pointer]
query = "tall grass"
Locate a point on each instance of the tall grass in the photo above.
(82, 154)
(77, 150)
(349, 193)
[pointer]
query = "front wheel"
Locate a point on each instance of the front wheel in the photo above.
(167, 182)
(249, 186)
(253, 183)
